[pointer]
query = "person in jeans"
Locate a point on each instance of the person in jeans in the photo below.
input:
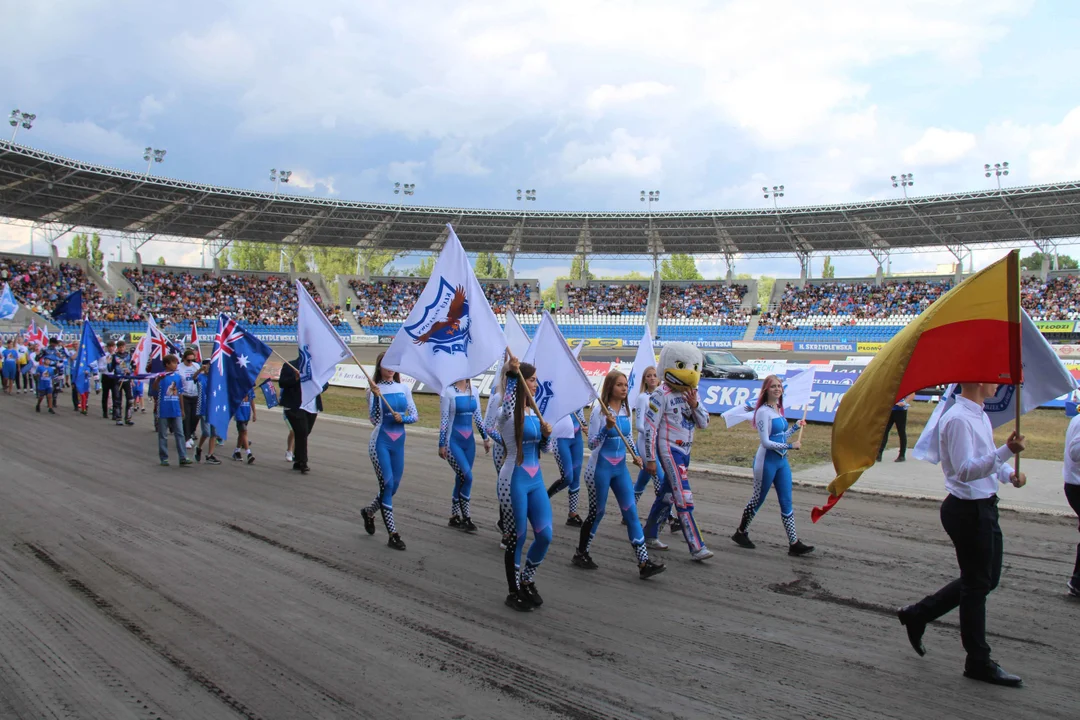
(973, 470)
(167, 389)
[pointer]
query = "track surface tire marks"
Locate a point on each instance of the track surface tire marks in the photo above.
(133, 591)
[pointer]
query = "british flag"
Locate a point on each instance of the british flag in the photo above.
(37, 335)
(158, 347)
(235, 364)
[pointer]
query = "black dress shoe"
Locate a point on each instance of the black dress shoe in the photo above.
(993, 674)
(915, 629)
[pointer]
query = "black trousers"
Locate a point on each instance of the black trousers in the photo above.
(108, 382)
(973, 527)
(899, 419)
(191, 415)
(121, 389)
(302, 423)
(1072, 493)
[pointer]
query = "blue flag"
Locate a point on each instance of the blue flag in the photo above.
(235, 364)
(269, 393)
(70, 308)
(8, 305)
(90, 351)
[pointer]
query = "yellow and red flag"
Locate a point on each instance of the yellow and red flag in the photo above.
(970, 334)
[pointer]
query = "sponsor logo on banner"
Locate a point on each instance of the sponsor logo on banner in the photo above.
(386, 339)
(1067, 351)
(702, 344)
(365, 339)
(596, 343)
(869, 347)
(1056, 326)
(756, 345)
(825, 347)
(719, 396)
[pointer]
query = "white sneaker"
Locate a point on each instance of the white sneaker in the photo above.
(655, 544)
(189, 444)
(288, 456)
(703, 554)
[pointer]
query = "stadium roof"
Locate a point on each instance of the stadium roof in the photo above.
(49, 189)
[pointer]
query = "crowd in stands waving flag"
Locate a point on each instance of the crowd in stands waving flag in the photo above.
(235, 364)
(451, 332)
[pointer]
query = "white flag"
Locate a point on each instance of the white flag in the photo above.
(8, 304)
(516, 337)
(797, 393)
(645, 359)
(563, 387)
(451, 333)
(1045, 378)
(321, 348)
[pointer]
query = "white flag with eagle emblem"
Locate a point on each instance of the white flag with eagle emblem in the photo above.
(320, 346)
(451, 333)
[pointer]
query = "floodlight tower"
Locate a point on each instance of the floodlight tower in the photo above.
(405, 190)
(998, 169)
(19, 119)
(151, 156)
(279, 176)
(776, 192)
(904, 180)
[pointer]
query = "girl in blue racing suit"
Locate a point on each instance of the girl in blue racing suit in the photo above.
(460, 410)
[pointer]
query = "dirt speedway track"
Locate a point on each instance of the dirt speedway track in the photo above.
(129, 590)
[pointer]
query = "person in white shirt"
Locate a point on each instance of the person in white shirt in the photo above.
(973, 470)
(189, 372)
(1071, 471)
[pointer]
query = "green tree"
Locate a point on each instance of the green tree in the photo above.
(161, 260)
(764, 287)
(424, 268)
(252, 255)
(632, 275)
(1034, 262)
(679, 267)
(88, 248)
(575, 270)
(828, 270)
(489, 266)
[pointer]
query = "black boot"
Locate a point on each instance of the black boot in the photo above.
(649, 568)
(529, 591)
(468, 525)
(518, 602)
(369, 520)
(396, 542)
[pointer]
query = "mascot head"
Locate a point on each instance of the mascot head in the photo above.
(680, 365)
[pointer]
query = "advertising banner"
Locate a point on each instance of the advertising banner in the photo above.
(829, 388)
(595, 343)
(826, 347)
(1071, 352)
(704, 344)
(756, 345)
(869, 347)
(1056, 326)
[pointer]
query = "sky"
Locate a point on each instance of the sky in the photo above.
(586, 102)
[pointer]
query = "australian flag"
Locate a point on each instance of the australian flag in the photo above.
(235, 364)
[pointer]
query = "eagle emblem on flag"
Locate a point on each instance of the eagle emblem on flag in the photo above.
(445, 323)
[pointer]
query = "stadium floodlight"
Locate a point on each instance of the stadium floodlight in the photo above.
(776, 192)
(279, 176)
(998, 169)
(151, 156)
(526, 195)
(404, 189)
(19, 119)
(904, 181)
(653, 196)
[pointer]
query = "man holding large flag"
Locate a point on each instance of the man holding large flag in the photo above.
(971, 335)
(86, 363)
(451, 333)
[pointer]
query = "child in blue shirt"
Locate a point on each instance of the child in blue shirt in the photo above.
(244, 414)
(167, 389)
(45, 374)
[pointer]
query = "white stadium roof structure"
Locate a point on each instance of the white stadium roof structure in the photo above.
(62, 193)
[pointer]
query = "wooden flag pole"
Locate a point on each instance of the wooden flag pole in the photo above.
(805, 408)
(607, 414)
(373, 387)
(284, 360)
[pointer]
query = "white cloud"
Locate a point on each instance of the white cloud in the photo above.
(149, 108)
(623, 156)
(405, 171)
(457, 159)
(306, 180)
(607, 96)
(86, 140)
(939, 147)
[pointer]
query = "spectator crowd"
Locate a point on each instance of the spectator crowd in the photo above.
(1056, 298)
(600, 299)
(176, 297)
(40, 286)
(718, 303)
(384, 301)
(853, 301)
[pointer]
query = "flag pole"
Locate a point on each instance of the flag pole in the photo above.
(284, 360)
(804, 410)
(607, 414)
(1016, 458)
(528, 396)
(372, 385)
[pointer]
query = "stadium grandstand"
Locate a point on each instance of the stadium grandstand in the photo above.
(59, 195)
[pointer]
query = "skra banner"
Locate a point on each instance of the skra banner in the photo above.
(703, 344)
(829, 388)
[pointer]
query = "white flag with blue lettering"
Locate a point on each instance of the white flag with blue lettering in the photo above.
(645, 359)
(1045, 378)
(562, 384)
(451, 333)
(320, 346)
